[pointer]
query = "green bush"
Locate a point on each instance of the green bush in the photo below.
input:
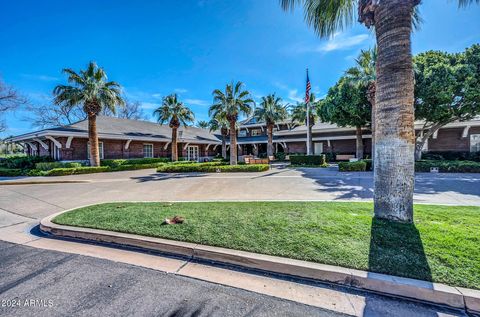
(46, 166)
(130, 167)
(280, 156)
(308, 159)
(452, 156)
(210, 168)
(10, 172)
(359, 166)
(140, 161)
(369, 163)
(448, 166)
(24, 162)
(330, 156)
(75, 171)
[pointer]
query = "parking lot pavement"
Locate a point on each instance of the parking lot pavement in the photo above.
(39, 200)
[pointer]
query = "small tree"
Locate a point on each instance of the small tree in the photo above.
(231, 103)
(447, 89)
(220, 123)
(176, 114)
(202, 124)
(271, 111)
(10, 100)
(90, 89)
(346, 104)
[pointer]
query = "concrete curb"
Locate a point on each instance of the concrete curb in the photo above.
(440, 294)
(10, 183)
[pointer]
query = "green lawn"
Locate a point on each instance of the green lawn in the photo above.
(442, 246)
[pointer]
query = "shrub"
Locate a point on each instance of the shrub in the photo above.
(45, 166)
(452, 156)
(129, 167)
(78, 170)
(359, 166)
(330, 156)
(369, 163)
(308, 159)
(141, 161)
(24, 162)
(209, 168)
(10, 172)
(280, 156)
(448, 166)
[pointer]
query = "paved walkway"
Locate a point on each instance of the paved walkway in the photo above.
(69, 280)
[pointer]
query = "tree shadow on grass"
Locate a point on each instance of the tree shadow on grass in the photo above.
(396, 249)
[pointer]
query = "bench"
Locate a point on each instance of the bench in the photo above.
(249, 160)
(344, 157)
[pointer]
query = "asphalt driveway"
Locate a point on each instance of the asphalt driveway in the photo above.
(39, 200)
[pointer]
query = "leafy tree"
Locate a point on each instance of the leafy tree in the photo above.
(346, 104)
(176, 113)
(202, 124)
(90, 89)
(299, 115)
(447, 89)
(220, 123)
(393, 21)
(231, 103)
(272, 111)
(10, 100)
(364, 74)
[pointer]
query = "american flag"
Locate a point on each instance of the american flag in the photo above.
(307, 91)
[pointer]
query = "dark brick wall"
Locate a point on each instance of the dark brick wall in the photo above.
(451, 140)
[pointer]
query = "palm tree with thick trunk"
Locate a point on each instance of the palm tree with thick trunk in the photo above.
(90, 89)
(221, 124)
(271, 111)
(364, 75)
(299, 115)
(394, 115)
(231, 103)
(176, 113)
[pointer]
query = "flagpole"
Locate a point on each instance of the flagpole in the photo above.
(308, 124)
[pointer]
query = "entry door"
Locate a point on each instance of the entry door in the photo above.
(192, 153)
(318, 148)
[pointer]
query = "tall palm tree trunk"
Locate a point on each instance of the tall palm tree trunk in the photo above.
(93, 139)
(371, 100)
(233, 143)
(359, 145)
(394, 116)
(174, 145)
(224, 147)
(270, 140)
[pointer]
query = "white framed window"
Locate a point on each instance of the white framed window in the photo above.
(474, 142)
(148, 150)
(100, 150)
(255, 132)
(192, 153)
(242, 133)
(318, 148)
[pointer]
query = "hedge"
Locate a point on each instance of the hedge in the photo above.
(448, 166)
(209, 168)
(23, 162)
(359, 166)
(307, 159)
(452, 156)
(76, 171)
(10, 172)
(118, 162)
(45, 166)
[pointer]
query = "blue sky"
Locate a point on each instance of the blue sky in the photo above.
(153, 48)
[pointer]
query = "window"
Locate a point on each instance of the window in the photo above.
(242, 133)
(255, 132)
(100, 150)
(148, 150)
(474, 142)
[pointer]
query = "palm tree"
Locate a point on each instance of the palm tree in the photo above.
(220, 123)
(299, 115)
(176, 114)
(394, 114)
(91, 89)
(364, 75)
(230, 104)
(271, 111)
(202, 124)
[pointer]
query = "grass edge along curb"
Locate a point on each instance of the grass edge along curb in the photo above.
(389, 285)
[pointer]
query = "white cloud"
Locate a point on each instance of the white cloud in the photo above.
(40, 77)
(339, 41)
(149, 105)
(294, 96)
(197, 102)
(180, 90)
